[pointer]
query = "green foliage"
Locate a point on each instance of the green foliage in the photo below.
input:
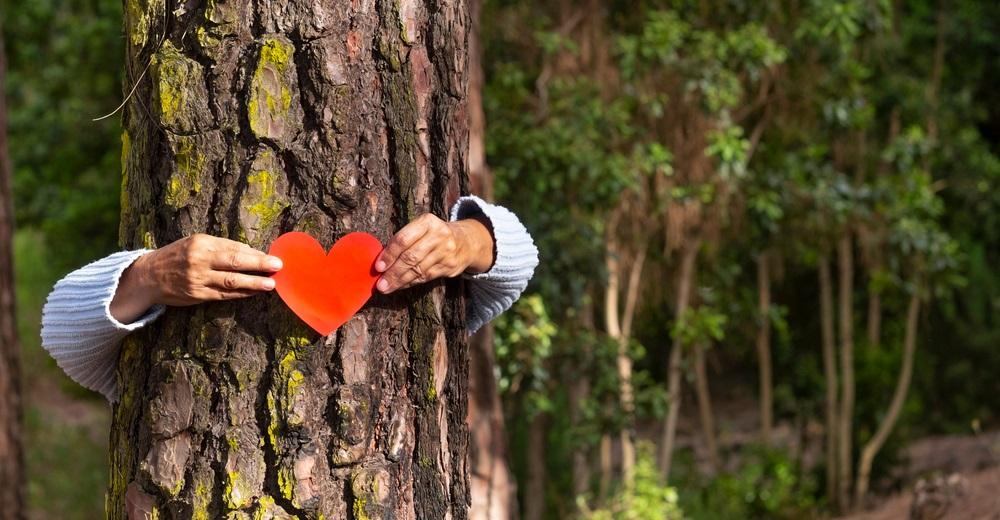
(523, 347)
(767, 485)
(32, 281)
(66, 463)
(698, 325)
(561, 172)
(649, 498)
(55, 435)
(65, 70)
(710, 63)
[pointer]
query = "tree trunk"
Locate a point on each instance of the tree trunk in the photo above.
(625, 364)
(872, 447)
(612, 288)
(604, 454)
(829, 374)
(256, 118)
(764, 347)
(11, 453)
(579, 390)
(685, 281)
(480, 177)
(705, 408)
(618, 322)
(494, 491)
(534, 493)
(874, 318)
(845, 253)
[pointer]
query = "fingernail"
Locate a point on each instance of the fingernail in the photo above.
(268, 283)
(274, 263)
(383, 285)
(380, 266)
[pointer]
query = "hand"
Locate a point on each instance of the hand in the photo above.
(192, 270)
(429, 248)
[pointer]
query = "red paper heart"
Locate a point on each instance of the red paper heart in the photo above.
(325, 290)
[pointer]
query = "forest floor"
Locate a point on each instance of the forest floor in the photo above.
(949, 476)
(68, 432)
(976, 498)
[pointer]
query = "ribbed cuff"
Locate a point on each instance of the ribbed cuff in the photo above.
(516, 257)
(78, 329)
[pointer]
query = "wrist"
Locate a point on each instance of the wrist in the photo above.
(477, 244)
(139, 281)
(132, 298)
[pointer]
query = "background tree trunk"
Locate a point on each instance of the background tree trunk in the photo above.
(11, 453)
(579, 391)
(612, 288)
(494, 490)
(874, 321)
(845, 261)
(705, 412)
(605, 464)
(685, 281)
(534, 492)
(764, 347)
(872, 447)
(625, 363)
(829, 374)
(618, 322)
(256, 118)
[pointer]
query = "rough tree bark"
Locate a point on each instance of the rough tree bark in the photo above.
(829, 348)
(11, 454)
(255, 118)
(764, 346)
(494, 491)
(845, 416)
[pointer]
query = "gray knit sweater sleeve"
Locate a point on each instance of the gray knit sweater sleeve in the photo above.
(516, 257)
(80, 333)
(78, 329)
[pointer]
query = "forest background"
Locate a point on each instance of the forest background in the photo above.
(768, 232)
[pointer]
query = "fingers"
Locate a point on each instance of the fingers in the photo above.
(217, 285)
(231, 295)
(244, 259)
(404, 240)
(229, 255)
(411, 266)
(404, 274)
(228, 281)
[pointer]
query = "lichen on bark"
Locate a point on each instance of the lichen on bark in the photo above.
(273, 109)
(263, 199)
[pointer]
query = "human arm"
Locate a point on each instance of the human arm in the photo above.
(92, 309)
(495, 253)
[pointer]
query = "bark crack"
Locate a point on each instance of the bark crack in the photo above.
(272, 462)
